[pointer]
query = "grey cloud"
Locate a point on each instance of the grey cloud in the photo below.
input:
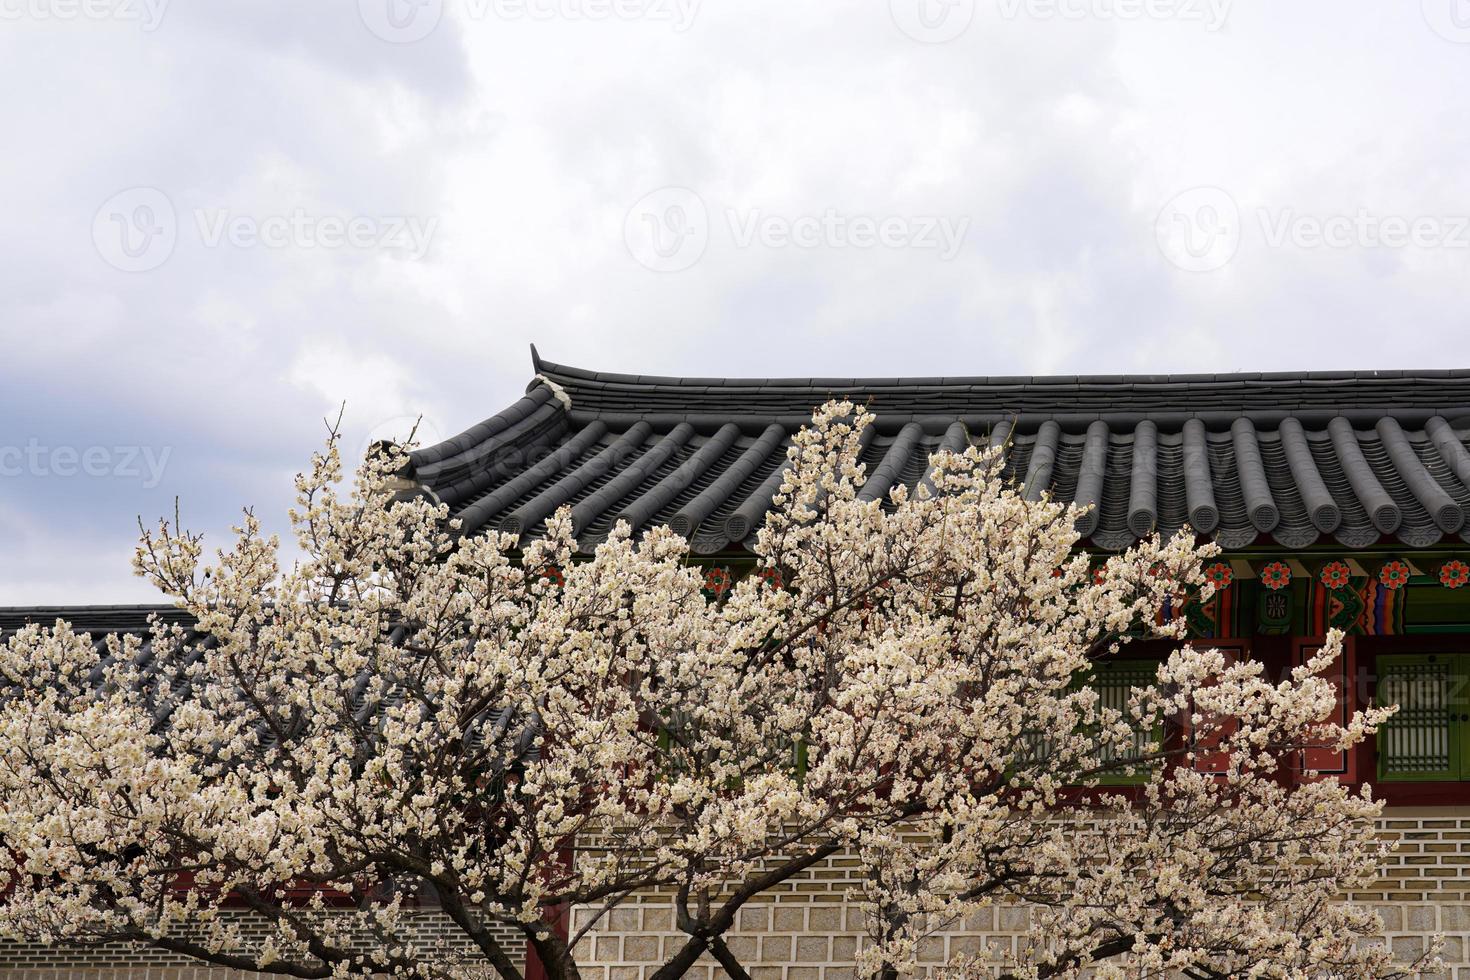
(526, 141)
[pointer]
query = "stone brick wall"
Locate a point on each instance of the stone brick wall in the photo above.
(116, 961)
(805, 930)
(799, 942)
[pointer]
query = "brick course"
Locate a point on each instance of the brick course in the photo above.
(806, 931)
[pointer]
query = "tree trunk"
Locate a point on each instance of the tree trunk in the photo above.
(555, 955)
(680, 963)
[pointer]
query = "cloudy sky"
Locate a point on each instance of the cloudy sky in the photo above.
(226, 218)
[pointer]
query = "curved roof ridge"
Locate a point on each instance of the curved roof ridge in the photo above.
(1267, 397)
(554, 369)
(92, 618)
(1282, 458)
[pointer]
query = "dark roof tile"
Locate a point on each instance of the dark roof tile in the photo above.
(1287, 456)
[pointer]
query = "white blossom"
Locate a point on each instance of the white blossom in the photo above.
(409, 718)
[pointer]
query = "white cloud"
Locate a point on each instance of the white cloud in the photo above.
(527, 139)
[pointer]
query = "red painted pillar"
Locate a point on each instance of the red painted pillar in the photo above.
(555, 916)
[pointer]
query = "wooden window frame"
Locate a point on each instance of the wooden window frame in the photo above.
(1368, 649)
(1457, 712)
(1159, 734)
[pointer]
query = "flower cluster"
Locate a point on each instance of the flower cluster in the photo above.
(409, 717)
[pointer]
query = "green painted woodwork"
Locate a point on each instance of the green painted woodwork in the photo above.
(1426, 739)
(1114, 681)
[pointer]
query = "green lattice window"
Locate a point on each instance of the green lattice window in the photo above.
(1427, 739)
(1114, 681)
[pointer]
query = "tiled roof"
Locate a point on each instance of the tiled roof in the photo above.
(89, 619)
(162, 681)
(1285, 459)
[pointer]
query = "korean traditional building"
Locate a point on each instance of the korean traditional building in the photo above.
(1339, 500)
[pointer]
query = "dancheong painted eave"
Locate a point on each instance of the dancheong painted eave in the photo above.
(1291, 460)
